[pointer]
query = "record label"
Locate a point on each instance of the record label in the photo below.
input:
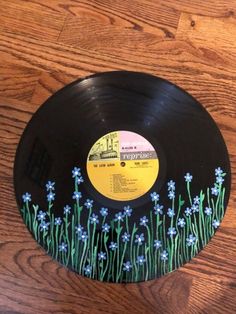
(122, 165)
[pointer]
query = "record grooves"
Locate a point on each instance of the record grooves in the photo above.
(122, 176)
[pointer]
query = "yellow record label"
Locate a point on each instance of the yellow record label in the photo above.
(122, 165)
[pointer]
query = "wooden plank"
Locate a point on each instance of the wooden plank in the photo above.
(177, 61)
(175, 57)
(219, 8)
(30, 19)
(14, 115)
(49, 83)
(99, 25)
(73, 294)
(153, 14)
(17, 82)
(218, 33)
(208, 296)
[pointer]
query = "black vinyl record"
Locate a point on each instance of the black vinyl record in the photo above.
(122, 176)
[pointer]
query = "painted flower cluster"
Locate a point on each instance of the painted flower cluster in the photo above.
(117, 249)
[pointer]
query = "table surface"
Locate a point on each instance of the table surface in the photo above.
(47, 44)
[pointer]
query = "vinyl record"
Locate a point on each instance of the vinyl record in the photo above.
(122, 176)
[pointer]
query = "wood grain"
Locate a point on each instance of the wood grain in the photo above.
(172, 56)
(112, 25)
(218, 32)
(47, 44)
(30, 19)
(18, 82)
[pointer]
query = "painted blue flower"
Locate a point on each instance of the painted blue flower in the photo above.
(188, 177)
(170, 212)
(76, 172)
(44, 226)
(94, 219)
(188, 211)
(80, 180)
(218, 171)
(126, 237)
(88, 203)
(196, 200)
(157, 244)
(63, 247)
(79, 229)
(119, 216)
(102, 256)
(208, 211)
(140, 260)
(191, 240)
(155, 197)
(113, 246)
(67, 209)
(105, 228)
(51, 196)
(41, 215)
(164, 255)
(219, 180)
(143, 221)
(215, 223)
(88, 270)
(171, 231)
(195, 208)
(50, 186)
(158, 209)
(181, 222)
(171, 185)
(26, 197)
(58, 221)
(76, 195)
(127, 266)
(83, 236)
(127, 211)
(104, 211)
(214, 190)
(139, 238)
(171, 195)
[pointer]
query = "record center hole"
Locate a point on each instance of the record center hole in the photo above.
(122, 164)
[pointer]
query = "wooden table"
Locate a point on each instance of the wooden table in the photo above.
(47, 44)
